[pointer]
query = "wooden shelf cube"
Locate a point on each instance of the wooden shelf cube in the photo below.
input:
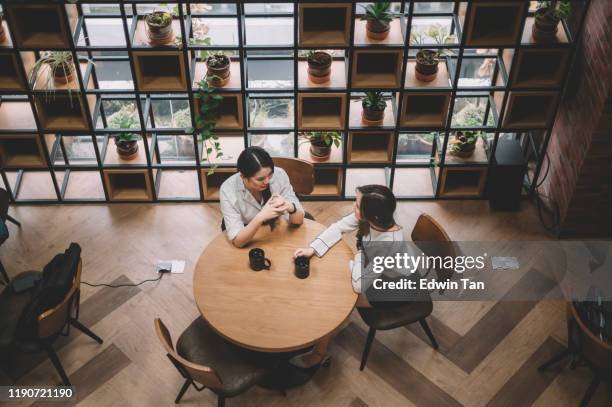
(128, 185)
(323, 24)
(304, 153)
(560, 38)
(233, 83)
(160, 71)
(395, 36)
(11, 78)
(442, 79)
(21, 151)
(527, 110)
(112, 157)
(64, 111)
(211, 184)
(327, 182)
(494, 23)
(321, 111)
(230, 111)
(41, 25)
(370, 147)
(337, 78)
(356, 108)
(142, 40)
(377, 68)
(421, 110)
(463, 182)
(16, 115)
(540, 67)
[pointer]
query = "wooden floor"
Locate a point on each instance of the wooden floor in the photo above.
(488, 351)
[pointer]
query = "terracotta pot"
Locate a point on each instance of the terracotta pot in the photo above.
(544, 28)
(424, 71)
(372, 116)
(320, 151)
(157, 33)
(320, 72)
(127, 150)
(61, 76)
(376, 30)
(222, 72)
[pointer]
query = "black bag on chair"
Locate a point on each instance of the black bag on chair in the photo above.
(57, 279)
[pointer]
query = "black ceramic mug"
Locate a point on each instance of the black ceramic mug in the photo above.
(302, 267)
(258, 261)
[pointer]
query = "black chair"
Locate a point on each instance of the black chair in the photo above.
(49, 325)
(4, 216)
(203, 357)
(585, 347)
(426, 230)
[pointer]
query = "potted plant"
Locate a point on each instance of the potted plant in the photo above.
(159, 27)
(547, 17)
(374, 106)
(125, 142)
(60, 65)
(206, 120)
(427, 60)
(379, 17)
(319, 66)
(464, 143)
(218, 69)
(321, 143)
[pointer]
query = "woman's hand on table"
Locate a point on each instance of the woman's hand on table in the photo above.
(306, 252)
(281, 203)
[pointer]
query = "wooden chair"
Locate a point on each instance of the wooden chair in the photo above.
(301, 176)
(54, 322)
(425, 230)
(584, 346)
(203, 357)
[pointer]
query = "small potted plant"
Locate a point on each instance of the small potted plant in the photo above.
(374, 106)
(427, 60)
(547, 17)
(321, 143)
(126, 142)
(159, 27)
(319, 66)
(218, 69)
(60, 65)
(464, 143)
(379, 17)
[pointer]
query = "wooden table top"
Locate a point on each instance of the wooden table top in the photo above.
(272, 310)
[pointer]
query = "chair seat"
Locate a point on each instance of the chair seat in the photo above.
(11, 307)
(391, 317)
(237, 367)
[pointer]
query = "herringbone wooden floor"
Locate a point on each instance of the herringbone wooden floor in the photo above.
(488, 351)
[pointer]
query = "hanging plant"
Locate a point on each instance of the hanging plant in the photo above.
(206, 120)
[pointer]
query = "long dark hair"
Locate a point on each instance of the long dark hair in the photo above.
(377, 207)
(253, 159)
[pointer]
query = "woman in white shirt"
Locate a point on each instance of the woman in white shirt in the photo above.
(372, 217)
(257, 194)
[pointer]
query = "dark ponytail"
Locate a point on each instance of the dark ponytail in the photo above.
(253, 159)
(377, 207)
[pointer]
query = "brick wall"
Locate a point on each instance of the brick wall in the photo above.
(580, 149)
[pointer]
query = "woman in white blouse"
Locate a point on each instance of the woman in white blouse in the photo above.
(372, 217)
(257, 194)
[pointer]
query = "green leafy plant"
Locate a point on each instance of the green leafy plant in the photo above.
(374, 100)
(124, 118)
(318, 57)
(206, 119)
(465, 141)
(554, 10)
(217, 60)
(326, 138)
(160, 18)
(437, 32)
(379, 11)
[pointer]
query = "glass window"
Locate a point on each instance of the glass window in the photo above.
(270, 74)
(275, 144)
(477, 72)
(176, 148)
(433, 7)
(415, 147)
(207, 8)
(472, 112)
(79, 150)
(170, 113)
(114, 75)
(89, 9)
(432, 31)
(120, 114)
(103, 32)
(264, 8)
(269, 31)
(268, 112)
(214, 31)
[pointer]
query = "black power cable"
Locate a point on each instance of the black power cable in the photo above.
(161, 274)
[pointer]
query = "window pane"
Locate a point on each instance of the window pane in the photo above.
(275, 144)
(103, 32)
(176, 148)
(114, 75)
(120, 114)
(413, 147)
(477, 72)
(80, 150)
(206, 8)
(268, 8)
(470, 112)
(170, 113)
(271, 112)
(270, 74)
(435, 30)
(433, 7)
(269, 31)
(214, 31)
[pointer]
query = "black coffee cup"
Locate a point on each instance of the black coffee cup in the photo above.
(258, 261)
(302, 267)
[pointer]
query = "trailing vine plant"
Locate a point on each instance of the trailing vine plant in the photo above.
(206, 120)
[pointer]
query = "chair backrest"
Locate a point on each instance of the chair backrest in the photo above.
(300, 172)
(596, 352)
(53, 320)
(201, 374)
(433, 240)
(4, 203)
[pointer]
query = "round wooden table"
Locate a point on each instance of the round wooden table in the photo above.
(272, 310)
